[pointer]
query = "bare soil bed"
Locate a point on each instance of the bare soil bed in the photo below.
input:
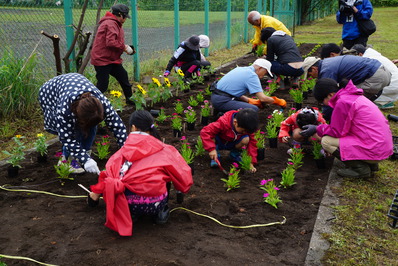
(66, 231)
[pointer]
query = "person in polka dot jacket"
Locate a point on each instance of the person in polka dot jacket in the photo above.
(73, 107)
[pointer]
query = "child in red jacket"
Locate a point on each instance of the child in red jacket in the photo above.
(292, 126)
(232, 131)
(134, 182)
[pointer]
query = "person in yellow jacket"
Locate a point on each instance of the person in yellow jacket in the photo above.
(260, 22)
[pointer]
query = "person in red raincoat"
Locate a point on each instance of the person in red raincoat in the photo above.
(134, 182)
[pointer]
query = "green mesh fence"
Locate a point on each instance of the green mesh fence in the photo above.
(23, 21)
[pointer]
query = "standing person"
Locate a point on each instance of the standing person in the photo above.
(390, 93)
(282, 52)
(134, 182)
(73, 107)
(228, 92)
(350, 11)
(260, 22)
(233, 131)
(187, 57)
(358, 135)
(107, 50)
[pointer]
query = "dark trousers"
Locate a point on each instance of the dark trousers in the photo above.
(360, 40)
(195, 64)
(118, 72)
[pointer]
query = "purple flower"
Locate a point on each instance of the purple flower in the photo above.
(234, 164)
(263, 182)
(183, 138)
(265, 195)
(276, 188)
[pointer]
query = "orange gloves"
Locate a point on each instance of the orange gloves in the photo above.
(280, 102)
(256, 102)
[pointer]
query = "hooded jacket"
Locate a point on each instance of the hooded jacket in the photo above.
(109, 42)
(224, 128)
(153, 165)
(360, 126)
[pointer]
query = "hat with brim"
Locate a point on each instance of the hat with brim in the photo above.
(308, 63)
(264, 64)
(193, 43)
(121, 9)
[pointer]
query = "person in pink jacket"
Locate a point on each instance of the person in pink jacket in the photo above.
(233, 131)
(358, 134)
(134, 182)
(107, 50)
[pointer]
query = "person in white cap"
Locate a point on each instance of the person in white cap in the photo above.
(108, 47)
(229, 93)
(204, 42)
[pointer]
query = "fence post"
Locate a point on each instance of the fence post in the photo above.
(246, 27)
(69, 27)
(229, 24)
(259, 5)
(206, 24)
(176, 23)
(265, 7)
(134, 28)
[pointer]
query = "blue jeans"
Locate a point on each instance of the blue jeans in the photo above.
(286, 69)
(229, 145)
(224, 103)
(85, 143)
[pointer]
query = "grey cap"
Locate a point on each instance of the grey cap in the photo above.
(193, 42)
(121, 9)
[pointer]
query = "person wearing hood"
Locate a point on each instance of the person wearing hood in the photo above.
(204, 42)
(136, 177)
(359, 135)
(107, 50)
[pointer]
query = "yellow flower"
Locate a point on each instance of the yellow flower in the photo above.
(141, 89)
(156, 81)
(180, 72)
(116, 93)
(18, 136)
(167, 81)
(40, 135)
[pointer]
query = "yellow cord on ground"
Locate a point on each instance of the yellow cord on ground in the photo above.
(41, 192)
(231, 226)
(24, 258)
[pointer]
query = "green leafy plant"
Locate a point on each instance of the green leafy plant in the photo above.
(17, 154)
(192, 101)
(178, 107)
(176, 122)
(186, 152)
(162, 116)
(205, 109)
(296, 157)
(103, 147)
(260, 137)
(200, 97)
(116, 100)
(271, 196)
(278, 117)
(316, 149)
(207, 91)
(190, 115)
(260, 50)
(199, 79)
(63, 169)
(271, 129)
(297, 95)
(288, 175)
(233, 180)
(245, 163)
(139, 100)
(291, 111)
(272, 87)
(40, 144)
(200, 150)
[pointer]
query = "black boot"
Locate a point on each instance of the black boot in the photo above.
(336, 154)
(163, 215)
(374, 167)
(355, 169)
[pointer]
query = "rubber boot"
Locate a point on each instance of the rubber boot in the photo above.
(374, 167)
(336, 154)
(355, 169)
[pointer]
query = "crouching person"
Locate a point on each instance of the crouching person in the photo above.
(358, 135)
(134, 182)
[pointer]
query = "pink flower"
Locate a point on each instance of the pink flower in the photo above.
(183, 138)
(234, 164)
(64, 161)
(58, 154)
(262, 132)
(206, 101)
(106, 136)
(314, 139)
(231, 173)
(276, 188)
(270, 81)
(202, 106)
(263, 182)
(178, 100)
(265, 195)
(269, 180)
(291, 163)
(174, 113)
(269, 117)
(162, 107)
(189, 107)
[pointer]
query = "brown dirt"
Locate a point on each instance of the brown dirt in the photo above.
(67, 232)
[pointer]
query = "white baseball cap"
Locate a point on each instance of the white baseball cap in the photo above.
(264, 64)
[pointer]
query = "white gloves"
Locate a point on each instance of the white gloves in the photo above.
(128, 49)
(91, 167)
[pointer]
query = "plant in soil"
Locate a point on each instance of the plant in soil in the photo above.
(63, 169)
(246, 160)
(200, 97)
(139, 100)
(116, 100)
(200, 150)
(272, 87)
(176, 122)
(17, 153)
(162, 115)
(186, 151)
(192, 101)
(317, 149)
(103, 147)
(288, 175)
(40, 144)
(271, 129)
(190, 115)
(271, 192)
(205, 110)
(233, 180)
(296, 157)
(297, 95)
(260, 137)
(178, 107)
(278, 117)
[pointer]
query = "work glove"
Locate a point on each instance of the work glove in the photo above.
(280, 102)
(128, 49)
(256, 102)
(91, 167)
(308, 131)
(166, 73)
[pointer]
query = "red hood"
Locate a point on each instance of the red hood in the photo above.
(109, 16)
(138, 147)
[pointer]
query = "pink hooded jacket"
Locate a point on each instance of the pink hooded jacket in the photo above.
(363, 130)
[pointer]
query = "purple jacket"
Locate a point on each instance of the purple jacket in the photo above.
(363, 130)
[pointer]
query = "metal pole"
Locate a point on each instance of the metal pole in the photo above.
(259, 6)
(69, 27)
(134, 28)
(176, 23)
(207, 9)
(246, 27)
(229, 24)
